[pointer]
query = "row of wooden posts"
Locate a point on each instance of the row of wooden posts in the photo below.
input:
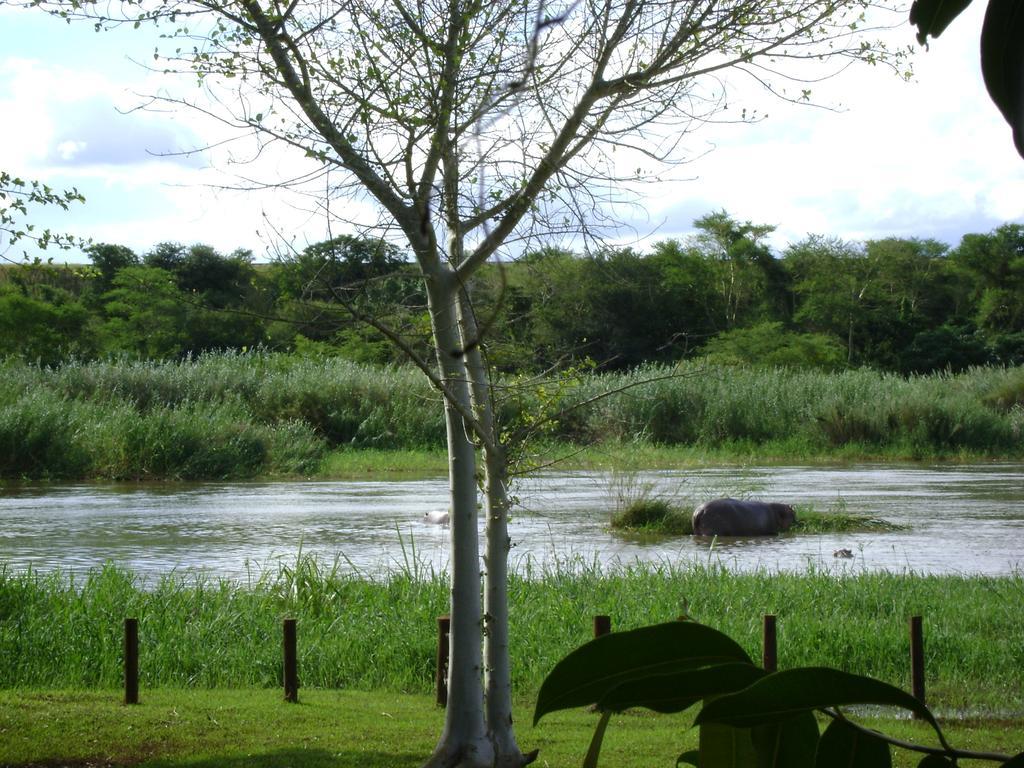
(602, 626)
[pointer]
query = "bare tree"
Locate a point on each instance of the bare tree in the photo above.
(472, 125)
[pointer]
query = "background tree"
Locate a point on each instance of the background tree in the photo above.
(317, 287)
(471, 125)
(694, 304)
(611, 306)
(993, 266)
(109, 259)
(909, 293)
(146, 314)
(44, 329)
(831, 279)
(747, 275)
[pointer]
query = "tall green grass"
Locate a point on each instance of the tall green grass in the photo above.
(59, 631)
(218, 416)
(242, 415)
(808, 410)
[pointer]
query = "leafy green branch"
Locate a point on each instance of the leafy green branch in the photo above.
(18, 195)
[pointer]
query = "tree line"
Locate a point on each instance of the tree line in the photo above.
(905, 305)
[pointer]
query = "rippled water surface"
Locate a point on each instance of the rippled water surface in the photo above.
(963, 519)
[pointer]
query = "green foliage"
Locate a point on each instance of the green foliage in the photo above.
(44, 435)
(993, 267)
(769, 344)
(109, 259)
(952, 348)
(647, 515)
(146, 314)
(17, 196)
(44, 331)
(1008, 393)
(747, 717)
(594, 673)
(709, 406)
(837, 520)
(901, 305)
(40, 437)
(323, 402)
(323, 292)
(135, 421)
(59, 630)
(344, 265)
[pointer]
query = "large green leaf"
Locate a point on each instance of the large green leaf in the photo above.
(931, 17)
(783, 694)
(1002, 62)
(690, 757)
(791, 743)
(725, 746)
(843, 745)
(936, 761)
(676, 691)
(591, 671)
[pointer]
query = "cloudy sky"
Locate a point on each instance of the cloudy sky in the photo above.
(928, 158)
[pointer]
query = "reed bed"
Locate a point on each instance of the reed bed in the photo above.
(245, 415)
(61, 630)
(806, 411)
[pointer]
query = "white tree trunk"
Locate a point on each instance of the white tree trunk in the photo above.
(464, 740)
(497, 669)
(498, 679)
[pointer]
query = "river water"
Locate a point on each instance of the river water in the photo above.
(963, 519)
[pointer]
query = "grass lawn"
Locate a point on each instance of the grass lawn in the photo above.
(256, 729)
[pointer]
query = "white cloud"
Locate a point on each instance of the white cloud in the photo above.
(931, 158)
(928, 158)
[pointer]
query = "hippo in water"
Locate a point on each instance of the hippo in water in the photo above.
(732, 517)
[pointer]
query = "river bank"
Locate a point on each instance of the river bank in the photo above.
(64, 632)
(399, 464)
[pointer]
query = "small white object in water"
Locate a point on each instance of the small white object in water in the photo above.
(843, 553)
(436, 517)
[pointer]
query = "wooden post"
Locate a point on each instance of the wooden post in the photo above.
(444, 626)
(602, 625)
(131, 661)
(769, 647)
(917, 659)
(291, 662)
